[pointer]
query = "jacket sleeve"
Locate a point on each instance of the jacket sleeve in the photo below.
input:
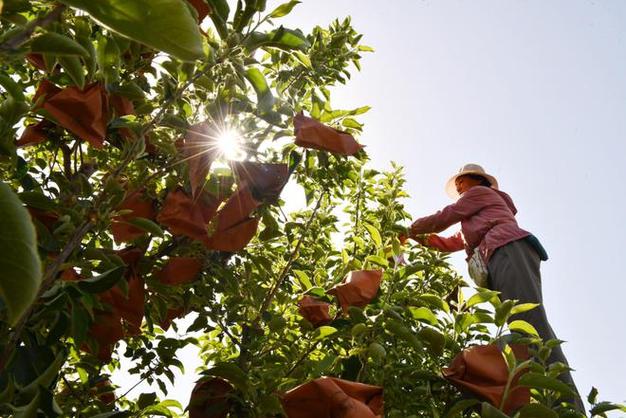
(449, 244)
(468, 204)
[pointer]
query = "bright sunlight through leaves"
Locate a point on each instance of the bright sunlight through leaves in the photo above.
(229, 145)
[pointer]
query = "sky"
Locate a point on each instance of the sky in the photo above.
(535, 92)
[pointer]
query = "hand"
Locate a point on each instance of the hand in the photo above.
(422, 239)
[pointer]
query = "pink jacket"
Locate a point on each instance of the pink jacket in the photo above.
(487, 219)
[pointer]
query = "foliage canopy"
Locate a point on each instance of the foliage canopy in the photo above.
(110, 116)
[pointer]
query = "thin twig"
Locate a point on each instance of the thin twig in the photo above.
(228, 333)
(292, 258)
(301, 359)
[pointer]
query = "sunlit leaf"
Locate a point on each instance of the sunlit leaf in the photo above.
(481, 297)
(284, 9)
(373, 233)
(265, 99)
(303, 279)
(423, 314)
(523, 307)
(324, 332)
(523, 326)
(170, 26)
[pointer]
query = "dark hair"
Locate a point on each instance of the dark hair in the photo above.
(478, 177)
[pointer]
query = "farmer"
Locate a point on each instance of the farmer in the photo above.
(501, 256)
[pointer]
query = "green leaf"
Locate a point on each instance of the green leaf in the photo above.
(303, 279)
(523, 326)
(303, 58)
(503, 312)
(490, 411)
(435, 301)
(90, 61)
(146, 399)
(102, 282)
(375, 259)
(523, 307)
(423, 314)
(29, 410)
(171, 403)
(460, 406)
(19, 262)
(169, 26)
(481, 297)
(265, 99)
(376, 351)
(282, 38)
(323, 332)
(351, 123)
(130, 90)
(146, 225)
(230, 372)
(434, 340)
(12, 111)
(47, 377)
(400, 330)
(11, 87)
(37, 200)
(220, 16)
(57, 44)
(592, 398)
(112, 414)
(157, 411)
(373, 233)
(284, 9)
(540, 381)
(221, 7)
(602, 407)
(80, 322)
(537, 410)
(357, 314)
(74, 69)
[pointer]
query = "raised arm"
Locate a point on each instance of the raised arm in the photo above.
(446, 244)
(468, 204)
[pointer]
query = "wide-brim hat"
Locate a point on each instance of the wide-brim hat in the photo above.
(469, 169)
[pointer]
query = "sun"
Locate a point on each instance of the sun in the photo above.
(229, 144)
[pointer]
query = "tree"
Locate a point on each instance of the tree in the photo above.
(122, 212)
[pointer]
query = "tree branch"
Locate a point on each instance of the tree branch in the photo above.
(292, 258)
(47, 281)
(15, 42)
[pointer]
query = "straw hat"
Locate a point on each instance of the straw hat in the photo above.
(469, 169)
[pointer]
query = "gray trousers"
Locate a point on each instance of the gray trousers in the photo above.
(514, 272)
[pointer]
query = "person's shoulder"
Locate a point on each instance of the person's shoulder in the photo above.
(480, 191)
(481, 195)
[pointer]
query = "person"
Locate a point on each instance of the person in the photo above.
(490, 234)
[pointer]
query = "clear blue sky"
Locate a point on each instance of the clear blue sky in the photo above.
(535, 91)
